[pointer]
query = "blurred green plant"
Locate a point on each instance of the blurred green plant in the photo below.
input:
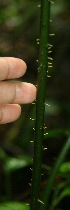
(52, 177)
(13, 206)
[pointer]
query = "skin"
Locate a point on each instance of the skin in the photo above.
(13, 93)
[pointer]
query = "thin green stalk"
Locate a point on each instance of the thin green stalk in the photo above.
(53, 175)
(40, 102)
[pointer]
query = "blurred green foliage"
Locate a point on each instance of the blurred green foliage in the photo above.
(19, 29)
(13, 206)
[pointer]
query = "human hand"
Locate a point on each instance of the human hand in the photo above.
(13, 93)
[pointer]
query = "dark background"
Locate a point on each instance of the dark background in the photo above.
(19, 29)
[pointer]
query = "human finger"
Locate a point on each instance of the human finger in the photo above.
(9, 113)
(17, 92)
(11, 68)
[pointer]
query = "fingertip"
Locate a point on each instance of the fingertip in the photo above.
(23, 65)
(17, 110)
(16, 67)
(25, 93)
(33, 92)
(9, 113)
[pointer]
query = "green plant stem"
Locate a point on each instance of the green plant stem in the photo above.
(54, 172)
(40, 102)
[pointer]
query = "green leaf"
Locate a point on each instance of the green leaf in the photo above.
(64, 193)
(61, 186)
(2, 154)
(14, 206)
(65, 167)
(12, 164)
(53, 174)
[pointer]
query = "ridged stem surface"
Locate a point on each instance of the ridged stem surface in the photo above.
(40, 102)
